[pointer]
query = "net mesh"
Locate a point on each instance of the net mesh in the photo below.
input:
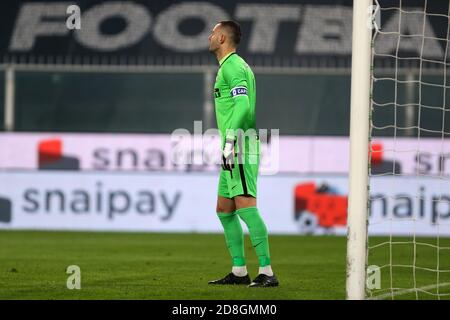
(409, 175)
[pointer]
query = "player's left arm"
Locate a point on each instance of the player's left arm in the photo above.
(235, 77)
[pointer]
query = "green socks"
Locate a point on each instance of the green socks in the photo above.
(258, 233)
(234, 236)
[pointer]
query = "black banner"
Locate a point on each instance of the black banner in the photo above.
(310, 33)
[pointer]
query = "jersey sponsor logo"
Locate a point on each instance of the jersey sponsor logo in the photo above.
(239, 91)
(216, 93)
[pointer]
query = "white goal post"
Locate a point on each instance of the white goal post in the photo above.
(359, 141)
(398, 208)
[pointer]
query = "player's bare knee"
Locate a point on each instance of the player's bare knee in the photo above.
(244, 201)
(224, 209)
(225, 205)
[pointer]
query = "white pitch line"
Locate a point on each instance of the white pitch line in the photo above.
(400, 292)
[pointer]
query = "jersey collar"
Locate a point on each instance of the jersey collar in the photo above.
(221, 62)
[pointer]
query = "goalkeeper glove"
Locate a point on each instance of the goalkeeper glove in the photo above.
(228, 155)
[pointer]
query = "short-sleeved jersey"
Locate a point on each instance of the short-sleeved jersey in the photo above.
(235, 95)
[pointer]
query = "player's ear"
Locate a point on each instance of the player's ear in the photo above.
(222, 38)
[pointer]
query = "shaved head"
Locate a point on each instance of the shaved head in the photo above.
(224, 38)
(233, 30)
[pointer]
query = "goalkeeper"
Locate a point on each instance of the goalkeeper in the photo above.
(235, 96)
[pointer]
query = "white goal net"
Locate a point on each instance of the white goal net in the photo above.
(408, 245)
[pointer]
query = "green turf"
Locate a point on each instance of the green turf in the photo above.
(166, 266)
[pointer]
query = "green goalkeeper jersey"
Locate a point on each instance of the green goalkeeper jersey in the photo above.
(234, 96)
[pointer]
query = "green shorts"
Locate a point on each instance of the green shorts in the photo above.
(241, 180)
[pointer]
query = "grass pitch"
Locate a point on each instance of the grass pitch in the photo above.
(169, 266)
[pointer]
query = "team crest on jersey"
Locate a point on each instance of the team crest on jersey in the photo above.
(238, 91)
